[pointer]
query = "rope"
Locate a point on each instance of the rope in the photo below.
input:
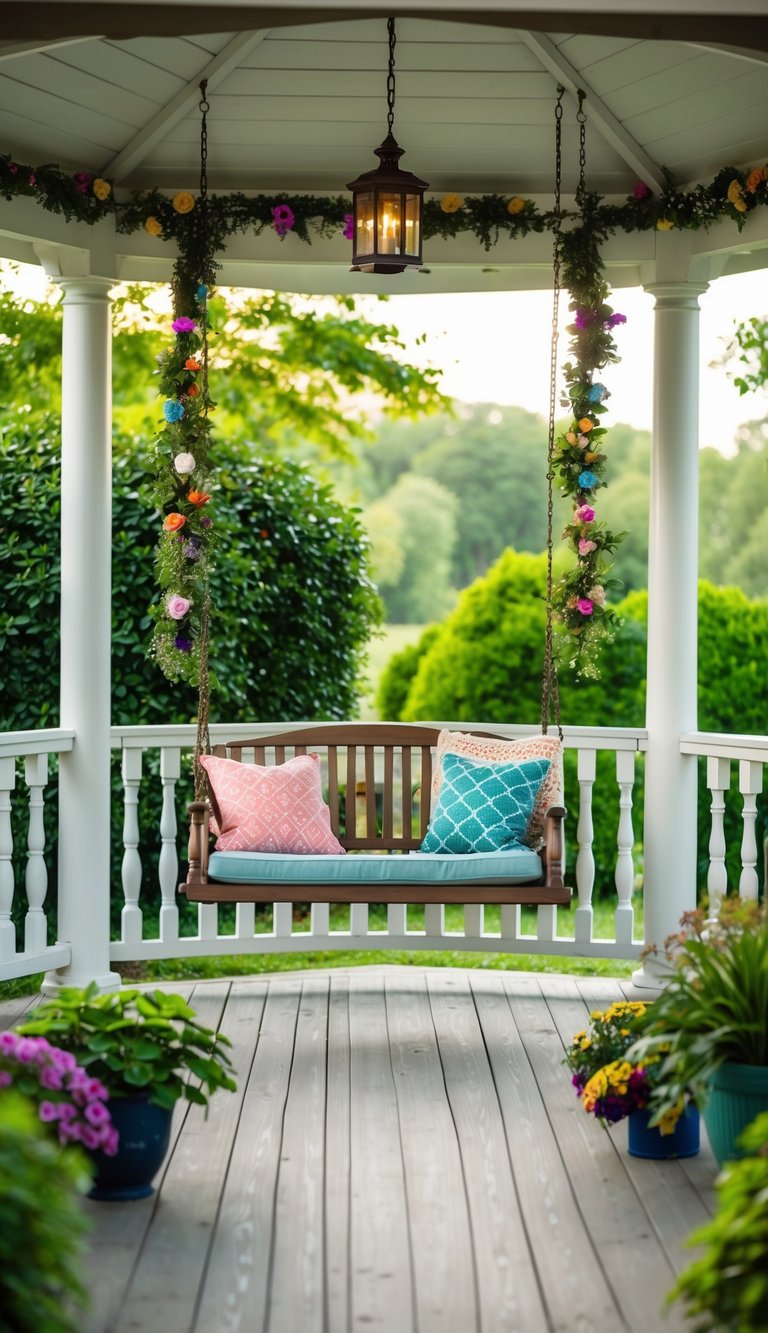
(203, 738)
(550, 693)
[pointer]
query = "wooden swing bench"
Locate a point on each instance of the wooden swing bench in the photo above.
(374, 817)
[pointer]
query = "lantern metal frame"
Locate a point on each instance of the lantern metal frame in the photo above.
(387, 203)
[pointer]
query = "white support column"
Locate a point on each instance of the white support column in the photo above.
(86, 604)
(671, 779)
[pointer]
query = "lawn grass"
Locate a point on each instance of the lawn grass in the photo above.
(257, 964)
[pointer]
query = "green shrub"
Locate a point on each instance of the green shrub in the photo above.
(41, 1225)
(727, 1288)
(397, 676)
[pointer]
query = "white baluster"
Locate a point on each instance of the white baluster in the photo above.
(625, 841)
(36, 878)
(397, 919)
(750, 786)
(358, 919)
(546, 922)
(474, 919)
(718, 781)
(245, 920)
(510, 921)
(434, 919)
(7, 931)
(321, 918)
(131, 918)
(168, 867)
(585, 861)
(207, 921)
(283, 918)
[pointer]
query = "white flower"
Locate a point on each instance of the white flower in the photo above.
(184, 463)
(597, 594)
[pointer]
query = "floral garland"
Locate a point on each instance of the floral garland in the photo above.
(187, 541)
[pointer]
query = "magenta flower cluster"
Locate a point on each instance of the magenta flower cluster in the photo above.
(284, 219)
(584, 317)
(65, 1094)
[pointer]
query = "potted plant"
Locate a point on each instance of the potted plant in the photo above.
(709, 1026)
(148, 1050)
(41, 1224)
(727, 1287)
(612, 1087)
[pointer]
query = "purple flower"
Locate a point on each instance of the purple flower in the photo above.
(8, 1042)
(184, 325)
(584, 606)
(94, 1088)
(109, 1142)
(97, 1114)
(193, 548)
(51, 1078)
(83, 180)
(89, 1137)
(26, 1050)
(32, 179)
(206, 522)
(284, 219)
(5, 1079)
(583, 317)
(641, 190)
(13, 167)
(183, 644)
(48, 1111)
(349, 226)
(615, 319)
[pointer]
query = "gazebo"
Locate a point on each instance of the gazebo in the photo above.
(298, 105)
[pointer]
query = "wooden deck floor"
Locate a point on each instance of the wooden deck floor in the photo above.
(404, 1153)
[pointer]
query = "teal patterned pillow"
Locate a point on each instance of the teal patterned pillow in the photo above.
(483, 807)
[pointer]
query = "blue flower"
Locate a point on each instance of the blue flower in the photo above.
(201, 292)
(173, 410)
(587, 481)
(597, 392)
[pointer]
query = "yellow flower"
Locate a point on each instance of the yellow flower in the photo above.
(668, 1121)
(451, 203)
(183, 202)
(664, 224)
(153, 226)
(516, 205)
(101, 188)
(736, 196)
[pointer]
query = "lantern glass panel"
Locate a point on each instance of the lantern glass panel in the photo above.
(412, 229)
(364, 239)
(389, 205)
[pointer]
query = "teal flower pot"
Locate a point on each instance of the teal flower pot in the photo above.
(145, 1132)
(738, 1093)
(647, 1141)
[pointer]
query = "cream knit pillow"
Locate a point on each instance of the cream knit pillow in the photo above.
(491, 750)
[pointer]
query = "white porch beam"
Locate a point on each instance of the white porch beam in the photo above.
(609, 126)
(86, 631)
(10, 50)
(164, 120)
(739, 52)
(670, 845)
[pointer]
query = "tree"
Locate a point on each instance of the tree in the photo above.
(420, 516)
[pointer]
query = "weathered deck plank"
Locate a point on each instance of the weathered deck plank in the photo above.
(404, 1154)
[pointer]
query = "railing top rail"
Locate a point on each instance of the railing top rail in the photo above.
(50, 740)
(722, 745)
(590, 738)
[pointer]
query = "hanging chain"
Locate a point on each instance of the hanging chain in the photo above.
(203, 738)
(391, 76)
(582, 120)
(550, 693)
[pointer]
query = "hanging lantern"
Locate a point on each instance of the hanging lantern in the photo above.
(388, 203)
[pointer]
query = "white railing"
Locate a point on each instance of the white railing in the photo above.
(750, 754)
(163, 935)
(27, 754)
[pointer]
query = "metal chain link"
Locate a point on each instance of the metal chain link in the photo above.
(391, 75)
(550, 693)
(203, 738)
(582, 120)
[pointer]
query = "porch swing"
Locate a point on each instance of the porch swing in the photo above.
(381, 781)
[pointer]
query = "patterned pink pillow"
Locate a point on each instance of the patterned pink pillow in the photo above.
(491, 750)
(276, 809)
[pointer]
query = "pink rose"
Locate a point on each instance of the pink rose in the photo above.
(584, 514)
(584, 606)
(583, 441)
(585, 547)
(177, 607)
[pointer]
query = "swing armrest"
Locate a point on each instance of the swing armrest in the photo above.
(199, 837)
(554, 847)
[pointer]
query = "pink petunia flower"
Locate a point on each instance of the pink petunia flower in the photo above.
(284, 219)
(584, 514)
(184, 325)
(5, 1079)
(48, 1111)
(83, 180)
(349, 226)
(51, 1078)
(586, 546)
(641, 190)
(96, 1114)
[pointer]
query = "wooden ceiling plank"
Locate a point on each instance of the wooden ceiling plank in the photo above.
(10, 50)
(610, 128)
(215, 71)
(754, 57)
(280, 53)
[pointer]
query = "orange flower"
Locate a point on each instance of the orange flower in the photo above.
(264, 532)
(571, 437)
(192, 391)
(183, 202)
(192, 364)
(451, 203)
(516, 205)
(153, 226)
(736, 196)
(585, 424)
(173, 522)
(755, 178)
(101, 188)
(198, 498)
(589, 457)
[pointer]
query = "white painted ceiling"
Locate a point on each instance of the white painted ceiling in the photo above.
(302, 107)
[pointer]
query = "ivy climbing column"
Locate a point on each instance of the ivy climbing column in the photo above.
(670, 848)
(86, 608)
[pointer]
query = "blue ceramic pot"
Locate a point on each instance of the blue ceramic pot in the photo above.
(738, 1093)
(145, 1132)
(645, 1141)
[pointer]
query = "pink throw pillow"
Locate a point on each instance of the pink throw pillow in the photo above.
(276, 809)
(493, 750)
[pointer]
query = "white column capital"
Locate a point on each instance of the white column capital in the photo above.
(85, 290)
(676, 295)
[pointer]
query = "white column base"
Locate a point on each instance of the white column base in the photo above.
(53, 982)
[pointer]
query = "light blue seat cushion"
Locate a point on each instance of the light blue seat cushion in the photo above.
(483, 807)
(517, 866)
